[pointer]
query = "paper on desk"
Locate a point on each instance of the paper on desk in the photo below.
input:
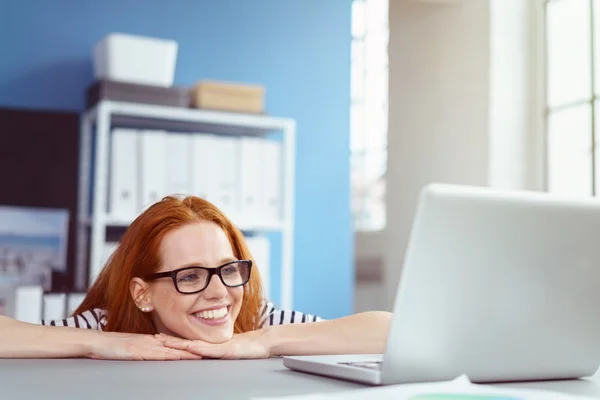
(436, 391)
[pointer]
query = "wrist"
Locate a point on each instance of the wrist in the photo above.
(65, 342)
(88, 342)
(275, 340)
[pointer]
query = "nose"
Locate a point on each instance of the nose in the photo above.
(215, 289)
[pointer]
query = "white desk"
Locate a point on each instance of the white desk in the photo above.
(85, 379)
(204, 379)
(583, 387)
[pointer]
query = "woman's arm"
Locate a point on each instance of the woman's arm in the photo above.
(23, 340)
(362, 333)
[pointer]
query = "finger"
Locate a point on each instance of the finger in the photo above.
(164, 335)
(189, 347)
(186, 355)
(184, 346)
(164, 353)
(183, 355)
(207, 350)
(160, 337)
(163, 338)
(178, 344)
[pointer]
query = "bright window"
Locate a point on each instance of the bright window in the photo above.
(572, 73)
(369, 113)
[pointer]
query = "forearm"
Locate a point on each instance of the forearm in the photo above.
(22, 340)
(362, 333)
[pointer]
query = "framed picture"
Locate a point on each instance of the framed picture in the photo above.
(33, 243)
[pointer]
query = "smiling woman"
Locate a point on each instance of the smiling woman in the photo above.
(183, 269)
(183, 273)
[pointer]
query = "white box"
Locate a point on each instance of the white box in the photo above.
(74, 300)
(136, 59)
(54, 306)
(29, 304)
(8, 289)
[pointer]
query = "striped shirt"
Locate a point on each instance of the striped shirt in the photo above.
(270, 316)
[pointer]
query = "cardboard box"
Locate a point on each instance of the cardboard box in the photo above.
(135, 93)
(227, 96)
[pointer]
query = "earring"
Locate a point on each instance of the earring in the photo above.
(145, 309)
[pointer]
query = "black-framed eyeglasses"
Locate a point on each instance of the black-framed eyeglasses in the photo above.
(190, 280)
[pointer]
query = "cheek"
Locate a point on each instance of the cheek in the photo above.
(169, 303)
(237, 294)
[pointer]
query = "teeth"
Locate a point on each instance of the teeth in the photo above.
(212, 314)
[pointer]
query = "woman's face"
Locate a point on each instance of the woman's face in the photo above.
(210, 314)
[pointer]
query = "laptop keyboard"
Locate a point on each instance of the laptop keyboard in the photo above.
(376, 365)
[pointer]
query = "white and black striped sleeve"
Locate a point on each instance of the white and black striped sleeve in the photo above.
(270, 316)
(90, 319)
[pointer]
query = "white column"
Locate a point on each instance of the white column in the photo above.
(516, 95)
(438, 119)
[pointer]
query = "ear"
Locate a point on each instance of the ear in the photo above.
(140, 293)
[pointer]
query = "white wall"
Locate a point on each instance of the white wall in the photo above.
(438, 124)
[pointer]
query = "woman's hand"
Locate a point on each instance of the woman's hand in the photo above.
(363, 333)
(125, 346)
(253, 344)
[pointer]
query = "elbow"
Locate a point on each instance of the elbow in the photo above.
(380, 320)
(379, 327)
(383, 316)
(384, 319)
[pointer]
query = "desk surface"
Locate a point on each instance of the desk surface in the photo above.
(112, 380)
(210, 379)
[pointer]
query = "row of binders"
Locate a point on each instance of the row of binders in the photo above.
(32, 305)
(241, 175)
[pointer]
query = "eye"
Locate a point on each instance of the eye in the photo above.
(230, 270)
(190, 277)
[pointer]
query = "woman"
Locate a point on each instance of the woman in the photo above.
(183, 273)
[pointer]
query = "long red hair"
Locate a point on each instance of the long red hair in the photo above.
(138, 255)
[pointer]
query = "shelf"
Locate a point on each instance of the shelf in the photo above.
(273, 226)
(150, 116)
(95, 225)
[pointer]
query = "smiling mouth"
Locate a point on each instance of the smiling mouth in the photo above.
(212, 315)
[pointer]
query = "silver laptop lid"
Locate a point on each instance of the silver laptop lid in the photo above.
(500, 286)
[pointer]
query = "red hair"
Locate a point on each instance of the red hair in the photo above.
(138, 255)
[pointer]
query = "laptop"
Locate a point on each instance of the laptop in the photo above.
(501, 286)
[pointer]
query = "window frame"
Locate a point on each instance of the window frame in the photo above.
(592, 101)
(363, 183)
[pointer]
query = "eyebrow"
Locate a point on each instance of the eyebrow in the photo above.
(222, 261)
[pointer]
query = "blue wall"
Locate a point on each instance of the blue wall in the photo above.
(299, 49)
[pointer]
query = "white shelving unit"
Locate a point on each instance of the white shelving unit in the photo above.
(93, 218)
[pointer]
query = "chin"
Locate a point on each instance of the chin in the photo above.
(215, 336)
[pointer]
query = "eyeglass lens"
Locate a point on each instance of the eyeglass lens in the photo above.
(195, 279)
